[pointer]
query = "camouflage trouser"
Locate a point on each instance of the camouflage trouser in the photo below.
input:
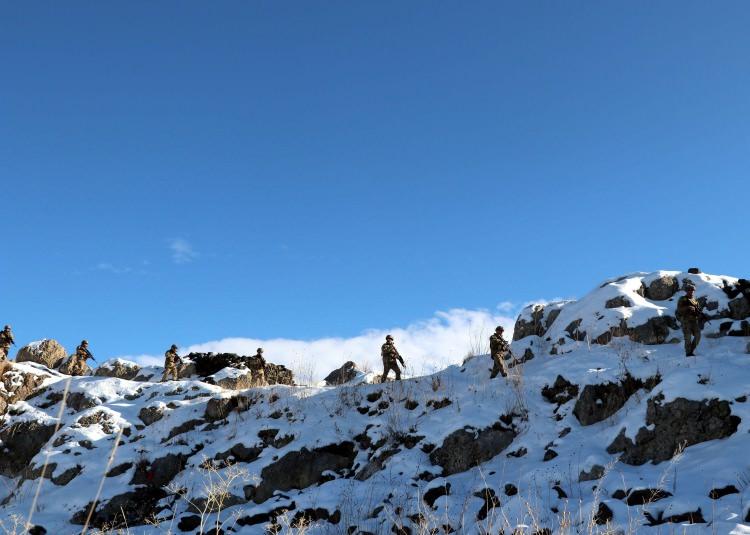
(259, 377)
(389, 365)
(4, 352)
(691, 330)
(498, 366)
(76, 367)
(170, 368)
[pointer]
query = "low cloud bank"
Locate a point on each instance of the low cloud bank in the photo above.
(426, 345)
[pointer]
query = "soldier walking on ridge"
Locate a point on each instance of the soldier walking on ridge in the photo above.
(6, 340)
(390, 359)
(77, 364)
(171, 362)
(690, 314)
(499, 349)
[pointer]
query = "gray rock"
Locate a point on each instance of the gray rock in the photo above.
(466, 448)
(342, 375)
(21, 442)
(662, 288)
(560, 392)
(149, 415)
(739, 308)
(574, 330)
(121, 369)
(14, 389)
(619, 301)
(67, 476)
(524, 328)
(654, 331)
(123, 511)
(46, 352)
(301, 469)
(596, 472)
(680, 423)
(599, 402)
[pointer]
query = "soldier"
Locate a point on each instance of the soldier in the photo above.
(77, 364)
(390, 357)
(260, 372)
(499, 349)
(6, 339)
(690, 315)
(171, 364)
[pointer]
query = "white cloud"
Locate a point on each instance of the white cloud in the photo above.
(426, 345)
(182, 251)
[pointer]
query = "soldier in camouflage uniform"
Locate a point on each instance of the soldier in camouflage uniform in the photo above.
(6, 340)
(77, 364)
(171, 364)
(390, 359)
(260, 372)
(690, 314)
(499, 349)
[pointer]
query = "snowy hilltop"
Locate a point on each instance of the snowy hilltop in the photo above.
(602, 426)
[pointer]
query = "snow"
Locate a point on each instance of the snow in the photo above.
(319, 416)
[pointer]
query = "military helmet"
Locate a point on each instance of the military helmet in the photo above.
(389, 337)
(499, 328)
(7, 327)
(174, 346)
(689, 288)
(260, 350)
(84, 342)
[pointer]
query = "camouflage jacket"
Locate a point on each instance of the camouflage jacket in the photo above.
(171, 357)
(83, 353)
(6, 338)
(390, 353)
(498, 345)
(688, 309)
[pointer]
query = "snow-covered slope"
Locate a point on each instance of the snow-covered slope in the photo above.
(582, 437)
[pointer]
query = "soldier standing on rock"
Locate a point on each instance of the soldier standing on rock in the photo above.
(6, 340)
(77, 364)
(499, 349)
(171, 364)
(390, 359)
(260, 375)
(690, 314)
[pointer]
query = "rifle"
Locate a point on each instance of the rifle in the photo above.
(90, 356)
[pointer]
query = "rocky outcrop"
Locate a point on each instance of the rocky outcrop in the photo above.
(560, 392)
(301, 469)
(671, 426)
(617, 302)
(342, 375)
(739, 308)
(20, 443)
(16, 385)
(468, 447)
(119, 368)
(123, 511)
(655, 331)
(599, 402)
(46, 352)
(662, 288)
(207, 364)
(65, 367)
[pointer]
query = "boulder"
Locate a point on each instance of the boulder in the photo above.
(528, 327)
(17, 385)
(662, 288)
(233, 379)
(21, 442)
(739, 308)
(467, 448)
(342, 375)
(46, 352)
(301, 469)
(119, 368)
(619, 301)
(600, 401)
(133, 508)
(674, 425)
(560, 392)
(654, 331)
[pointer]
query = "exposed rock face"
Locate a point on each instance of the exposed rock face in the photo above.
(125, 510)
(654, 331)
(619, 301)
(300, 469)
(17, 385)
(234, 380)
(599, 402)
(560, 392)
(680, 423)
(466, 448)
(206, 364)
(21, 442)
(342, 375)
(122, 369)
(662, 288)
(47, 352)
(739, 308)
(149, 415)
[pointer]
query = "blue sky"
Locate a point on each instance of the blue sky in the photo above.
(188, 171)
